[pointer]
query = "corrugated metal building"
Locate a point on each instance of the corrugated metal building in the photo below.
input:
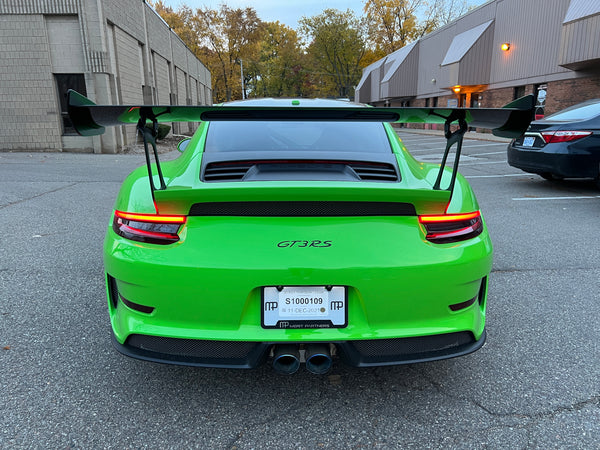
(113, 51)
(553, 52)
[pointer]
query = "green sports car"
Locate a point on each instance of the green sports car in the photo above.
(296, 232)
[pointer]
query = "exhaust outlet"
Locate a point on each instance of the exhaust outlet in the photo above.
(286, 359)
(318, 358)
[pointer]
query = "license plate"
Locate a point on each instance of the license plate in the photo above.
(292, 307)
(528, 141)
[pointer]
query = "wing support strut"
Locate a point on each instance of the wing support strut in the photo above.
(452, 137)
(149, 136)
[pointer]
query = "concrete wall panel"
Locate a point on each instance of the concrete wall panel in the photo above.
(29, 110)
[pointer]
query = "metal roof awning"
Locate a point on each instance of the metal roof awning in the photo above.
(366, 86)
(463, 42)
(580, 9)
(395, 78)
(468, 59)
(580, 34)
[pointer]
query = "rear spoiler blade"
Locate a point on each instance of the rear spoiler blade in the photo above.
(510, 121)
(90, 119)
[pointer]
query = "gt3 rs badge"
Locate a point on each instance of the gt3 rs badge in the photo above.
(301, 244)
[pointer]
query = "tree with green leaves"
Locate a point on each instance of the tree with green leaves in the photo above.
(395, 23)
(337, 45)
(280, 69)
(223, 39)
(229, 37)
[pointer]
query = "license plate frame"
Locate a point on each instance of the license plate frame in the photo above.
(528, 141)
(308, 307)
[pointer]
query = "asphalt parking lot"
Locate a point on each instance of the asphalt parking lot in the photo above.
(535, 384)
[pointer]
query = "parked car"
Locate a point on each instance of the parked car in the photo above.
(296, 230)
(562, 145)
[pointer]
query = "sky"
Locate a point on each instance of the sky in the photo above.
(287, 12)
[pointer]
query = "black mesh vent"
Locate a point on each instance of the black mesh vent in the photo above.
(227, 172)
(237, 170)
(113, 293)
(192, 347)
(379, 172)
(303, 209)
(412, 345)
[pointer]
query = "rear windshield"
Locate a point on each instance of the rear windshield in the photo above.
(578, 112)
(366, 137)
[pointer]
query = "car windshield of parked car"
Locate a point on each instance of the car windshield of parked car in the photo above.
(584, 111)
(365, 137)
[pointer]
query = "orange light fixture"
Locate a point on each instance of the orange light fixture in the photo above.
(456, 89)
(505, 47)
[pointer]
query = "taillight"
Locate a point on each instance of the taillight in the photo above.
(151, 228)
(552, 137)
(446, 228)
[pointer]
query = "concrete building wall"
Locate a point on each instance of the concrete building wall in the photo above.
(64, 41)
(29, 115)
(159, 36)
(117, 51)
(161, 79)
(128, 75)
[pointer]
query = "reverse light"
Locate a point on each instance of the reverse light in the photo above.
(447, 228)
(552, 137)
(150, 228)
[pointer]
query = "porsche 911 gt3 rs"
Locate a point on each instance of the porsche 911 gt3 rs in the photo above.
(296, 231)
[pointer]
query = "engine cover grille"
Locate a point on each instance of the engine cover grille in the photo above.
(291, 170)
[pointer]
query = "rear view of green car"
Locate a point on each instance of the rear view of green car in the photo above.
(295, 233)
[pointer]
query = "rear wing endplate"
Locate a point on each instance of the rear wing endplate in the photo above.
(510, 121)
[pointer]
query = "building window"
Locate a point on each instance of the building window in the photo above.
(64, 82)
(519, 91)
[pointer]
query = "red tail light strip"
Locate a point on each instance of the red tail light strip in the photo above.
(148, 234)
(552, 137)
(149, 228)
(448, 228)
(448, 218)
(154, 218)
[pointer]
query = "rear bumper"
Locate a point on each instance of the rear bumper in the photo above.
(562, 162)
(248, 355)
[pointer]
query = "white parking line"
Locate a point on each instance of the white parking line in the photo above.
(491, 153)
(499, 176)
(574, 197)
(417, 141)
(494, 144)
(483, 162)
(430, 150)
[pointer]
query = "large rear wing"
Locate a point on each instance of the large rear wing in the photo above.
(510, 121)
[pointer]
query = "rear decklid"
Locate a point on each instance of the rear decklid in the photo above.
(302, 199)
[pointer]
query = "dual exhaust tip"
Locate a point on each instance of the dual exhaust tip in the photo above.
(286, 358)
